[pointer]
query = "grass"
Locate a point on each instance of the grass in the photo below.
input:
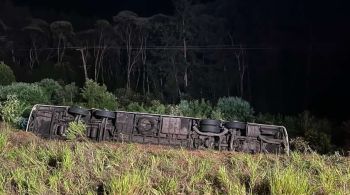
(29, 165)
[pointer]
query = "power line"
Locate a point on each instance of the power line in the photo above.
(212, 47)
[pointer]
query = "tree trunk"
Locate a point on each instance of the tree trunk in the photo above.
(84, 63)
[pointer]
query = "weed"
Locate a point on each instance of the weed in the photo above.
(66, 159)
(289, 180)
(54, 181)
(3, 141)
(232, 186)
(12, 109)
(134, 182)
(75, 130)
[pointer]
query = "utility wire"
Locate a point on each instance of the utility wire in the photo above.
(214, 47)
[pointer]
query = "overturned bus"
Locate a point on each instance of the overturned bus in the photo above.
(52, 122)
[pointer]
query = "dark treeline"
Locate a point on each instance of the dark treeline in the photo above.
(275, 55)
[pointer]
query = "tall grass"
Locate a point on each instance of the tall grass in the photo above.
(3, 141)
(230, 182)
(290, 181)
(56, 167)
(134, 182)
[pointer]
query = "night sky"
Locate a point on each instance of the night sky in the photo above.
(325, 26)
(94, 8)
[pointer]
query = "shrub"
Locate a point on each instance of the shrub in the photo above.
(136, 107)
(156, 107)
(6, 74)
(70, 93)
(29, 93)
(299, 144)
(217, 115)
(270, 119)
(306, 128)
(126, 97)
(345, 135)
(97, 96)
(12, 109)
(75, 130)
(235, 108)
(52, 90)
(316, 132)
(173, 110)
(200, 109)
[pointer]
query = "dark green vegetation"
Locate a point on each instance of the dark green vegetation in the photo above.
(29, 165)
(18, 98)
(6, 74)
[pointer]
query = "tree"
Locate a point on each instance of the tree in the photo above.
(234, 108)
(183, 15)
(62, 33)
(95, 43)
(240, 55)
(37, 32)
(97, 96)
(131, 32)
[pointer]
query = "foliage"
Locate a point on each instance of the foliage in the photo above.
(299, 144)
(69, 94)
(12, 109)
(195, 108)
(157, 107)
(217, 115)
(289, 180)
(97, 96)
(6, 74)
(23, 120)
(75, 130)
(235, 108)
(126, 97)
(173, 110)
(271, 119)
(315, 132)
(29, 93)
(136, 107)
(345, 134)
(52, 89)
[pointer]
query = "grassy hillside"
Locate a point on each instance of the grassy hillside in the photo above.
(31, 165)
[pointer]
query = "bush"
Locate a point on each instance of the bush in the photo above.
(52, 89)
(316, 132)
(76, 130)
(157, 107)
(173, 110)
(29, 93)
(136, 107)
(70, 94)
(97, 96)
(235, 108)
(6, 74)
(344, 135)
(270, 119)
(126, 97)
(299, 144)
(199, 109)
(217, 115)
(12, 109)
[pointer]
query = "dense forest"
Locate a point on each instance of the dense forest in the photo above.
(201, 50)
